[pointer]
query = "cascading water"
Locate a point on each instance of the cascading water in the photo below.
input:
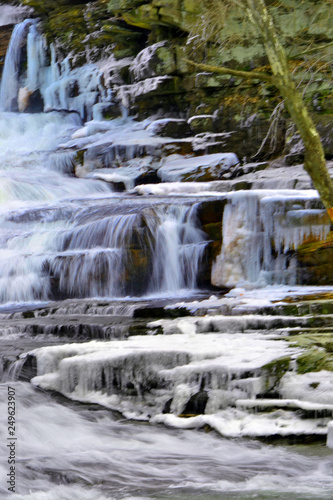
(178, 250)
(72, 251)
(94, 252)
(36, 58)
(10, 75)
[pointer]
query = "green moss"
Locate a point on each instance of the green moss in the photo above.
(273, 372)
(214, 231)
(79, 157)
(116, 5)
(145, 16)
(69, 26)
(318, 355)
(312, 361)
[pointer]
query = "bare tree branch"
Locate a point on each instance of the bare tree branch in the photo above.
(309, 51)
(253, 75)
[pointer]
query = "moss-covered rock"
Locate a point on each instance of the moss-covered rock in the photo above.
(120, 5)
(145, 16)
(273, 372)
(312, 361)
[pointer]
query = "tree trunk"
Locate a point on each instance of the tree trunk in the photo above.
(315, 163)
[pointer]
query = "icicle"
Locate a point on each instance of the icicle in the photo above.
(36, 53)
(260, 228)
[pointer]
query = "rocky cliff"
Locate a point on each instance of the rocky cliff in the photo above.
(160, 34)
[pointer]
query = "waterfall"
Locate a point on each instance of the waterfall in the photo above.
(178, 250)
(114, 255)
(10, 76)
(102, 254)
(61, 249)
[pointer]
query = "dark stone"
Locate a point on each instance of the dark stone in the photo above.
(167, 406)
(196, 404)
(170, 127)
(148, 177)
(74, 89)
(111, 110)
(249, 132)
(29, 368)
(211, 211)
(36, 103)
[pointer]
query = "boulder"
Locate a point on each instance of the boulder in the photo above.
(126, 177)
(196, 404)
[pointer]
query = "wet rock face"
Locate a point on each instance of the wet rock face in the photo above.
(170, 127)
(316, 261)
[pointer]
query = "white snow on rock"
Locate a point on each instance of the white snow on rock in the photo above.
(159, 368)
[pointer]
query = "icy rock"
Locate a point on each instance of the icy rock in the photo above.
(202, 168)
(106, 111)
(154, 60)
(160, 368)
(258, 237)
(128, 176)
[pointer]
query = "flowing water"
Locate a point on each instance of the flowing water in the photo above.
(79, 261)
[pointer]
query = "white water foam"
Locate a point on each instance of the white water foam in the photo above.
(63, 451)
